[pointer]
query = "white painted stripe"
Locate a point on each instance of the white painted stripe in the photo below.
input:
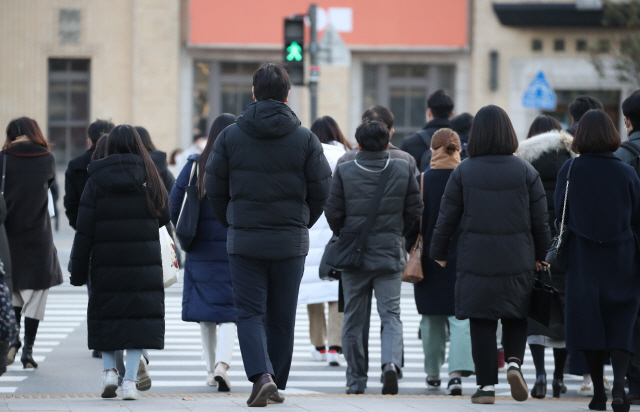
(8, 389)
(5, 378)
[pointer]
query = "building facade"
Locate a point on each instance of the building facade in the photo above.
(68, 62)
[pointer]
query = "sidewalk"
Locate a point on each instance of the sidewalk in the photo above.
(329, 403)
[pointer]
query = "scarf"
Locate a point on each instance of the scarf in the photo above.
(19, 139)
(440, 159)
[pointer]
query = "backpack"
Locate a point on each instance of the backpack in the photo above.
(635, 163)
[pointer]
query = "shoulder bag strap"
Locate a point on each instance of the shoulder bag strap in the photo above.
(4, 172)
(194, 171)
(375, 205)
(564, 206)
(421, 197)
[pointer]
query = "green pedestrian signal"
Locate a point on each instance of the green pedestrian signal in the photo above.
(295, 52)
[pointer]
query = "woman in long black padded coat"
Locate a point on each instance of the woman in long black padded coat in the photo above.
(121, 210)
(603, 274)
(498, 201)
(547, 148)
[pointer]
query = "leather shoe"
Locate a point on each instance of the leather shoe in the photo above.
(354, 392)
(390, 375)
(277, 397)
(262, 390)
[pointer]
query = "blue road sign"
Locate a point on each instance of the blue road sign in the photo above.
(540, 94)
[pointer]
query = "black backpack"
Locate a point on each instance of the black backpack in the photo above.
(635, 163)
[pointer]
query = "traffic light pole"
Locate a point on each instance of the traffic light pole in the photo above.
(314, 73)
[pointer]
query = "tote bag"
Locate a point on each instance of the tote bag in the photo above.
(413, 271)
(169, 258)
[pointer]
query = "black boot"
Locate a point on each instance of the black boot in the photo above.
(14, 347)
(27, 353)
(4, 350)
(539, 390)
(558, 387)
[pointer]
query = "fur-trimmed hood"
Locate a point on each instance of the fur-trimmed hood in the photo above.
(533, 148)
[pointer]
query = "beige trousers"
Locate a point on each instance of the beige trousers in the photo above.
(32, 302)
(318, 325)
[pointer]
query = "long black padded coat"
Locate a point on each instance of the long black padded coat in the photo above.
(119, 238)
(267, 180)
(499, 203)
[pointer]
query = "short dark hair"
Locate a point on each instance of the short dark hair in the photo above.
(381, 113)
(146, 138)
(492, 133)
(631, 110)
(543, 124)
(583, 104)
(596, 134)
(461, 123)
(271, 81)
(372, 136)
(98, 128)
(440, 104)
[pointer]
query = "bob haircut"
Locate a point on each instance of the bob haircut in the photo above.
(25, 126)
(124, 139)
(491, 133)
(596, 134)
(219, 124)
(543, 124)
(328, 131)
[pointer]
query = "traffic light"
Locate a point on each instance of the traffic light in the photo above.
(294, 49)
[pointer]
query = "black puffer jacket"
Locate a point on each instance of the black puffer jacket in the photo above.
(353, 189)
(75, 178)
(5, 256)
(160, 160)
(500, 205)
(120, 237)
(267, 180)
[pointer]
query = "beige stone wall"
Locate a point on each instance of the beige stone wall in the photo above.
(134, 50)
(333, 95)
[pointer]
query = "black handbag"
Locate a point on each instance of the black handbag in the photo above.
(344, 253)
(326, 272)
(557, 254)
(544, 300)
(189, 212)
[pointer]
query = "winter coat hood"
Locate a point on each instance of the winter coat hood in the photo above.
(554, 141)
(159, 159)
(119, 173)
(268, 119)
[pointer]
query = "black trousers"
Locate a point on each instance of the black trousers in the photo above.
(265, 293)
(484, 346)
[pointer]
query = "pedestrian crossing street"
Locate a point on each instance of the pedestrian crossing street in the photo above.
(179, 368)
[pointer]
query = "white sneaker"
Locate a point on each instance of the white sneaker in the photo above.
(586, 390)
(109, 384)
(320, 356)
(333, 357)
(129, 391)
(144, 380)
(607, 384)
(211, 381)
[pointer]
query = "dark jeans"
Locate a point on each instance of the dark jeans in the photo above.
(265, 293)
(485, 348)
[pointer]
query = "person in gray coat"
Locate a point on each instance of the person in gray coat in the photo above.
(498, 203)
(352, 190)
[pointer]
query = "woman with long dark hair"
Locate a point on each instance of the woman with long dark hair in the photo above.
(159, 158)
(30, 172)
(603, 287)
(123, 206)
(207, 294)
(499, 203)
(313, 291)
(547, 148)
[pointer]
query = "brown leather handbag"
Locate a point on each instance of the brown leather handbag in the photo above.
(413, 271)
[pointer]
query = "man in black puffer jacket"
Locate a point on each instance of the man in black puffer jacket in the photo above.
(267, 180)
(383, 258)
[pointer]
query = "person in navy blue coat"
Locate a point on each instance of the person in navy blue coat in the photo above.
(603, 276)
(207, 295)
(435, 295)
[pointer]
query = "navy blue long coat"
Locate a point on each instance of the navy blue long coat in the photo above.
(435, 295)
(207, 294)
(603, 277)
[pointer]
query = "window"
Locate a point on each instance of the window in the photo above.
(220, 87)
(558, 45)
(404, 89)
(68, 107)
(604, 46)
(536, 45)
(69, 26)
(581, 45)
